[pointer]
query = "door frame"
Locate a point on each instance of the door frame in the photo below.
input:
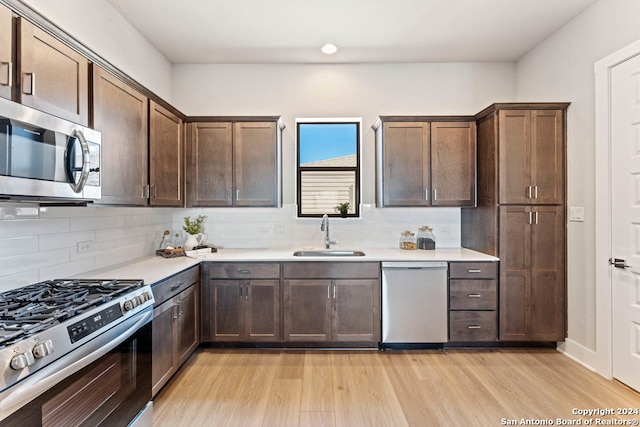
(604, 310)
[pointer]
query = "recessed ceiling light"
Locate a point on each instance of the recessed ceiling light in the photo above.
(329, 49)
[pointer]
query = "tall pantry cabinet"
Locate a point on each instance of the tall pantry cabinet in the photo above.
(520, 216)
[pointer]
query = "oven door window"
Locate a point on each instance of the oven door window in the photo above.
(109, 392)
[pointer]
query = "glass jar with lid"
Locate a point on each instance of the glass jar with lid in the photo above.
(408, 241)
(426, 239)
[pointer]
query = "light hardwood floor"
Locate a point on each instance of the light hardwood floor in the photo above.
(386, 388)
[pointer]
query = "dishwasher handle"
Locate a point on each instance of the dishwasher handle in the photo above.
(413, 265)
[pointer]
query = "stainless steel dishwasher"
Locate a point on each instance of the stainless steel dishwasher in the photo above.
(414, 302)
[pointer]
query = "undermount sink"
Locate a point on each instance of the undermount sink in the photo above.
(328, 252)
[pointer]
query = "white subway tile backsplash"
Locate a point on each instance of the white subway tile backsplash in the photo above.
(18, 246)
(46, 246)
(22, 263)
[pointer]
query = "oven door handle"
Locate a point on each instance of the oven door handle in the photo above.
(42, 380)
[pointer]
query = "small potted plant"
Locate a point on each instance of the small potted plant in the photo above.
(342, 209)
(193, 230)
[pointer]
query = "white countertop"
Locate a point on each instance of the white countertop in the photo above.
(152, 269)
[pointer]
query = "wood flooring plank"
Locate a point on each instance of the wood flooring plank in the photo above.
(283, 407)
(317, 385)
(363, 394)
(317, 419)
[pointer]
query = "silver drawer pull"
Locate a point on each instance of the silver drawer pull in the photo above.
(474, 270)
(244, 271)
(474, 327)
(177, 286)
(474, 295)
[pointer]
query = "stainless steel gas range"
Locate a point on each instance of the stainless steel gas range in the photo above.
(76, 352)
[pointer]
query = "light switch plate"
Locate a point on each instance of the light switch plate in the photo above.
(576, 214)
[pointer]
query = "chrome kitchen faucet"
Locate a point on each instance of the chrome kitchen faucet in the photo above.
(325, 227)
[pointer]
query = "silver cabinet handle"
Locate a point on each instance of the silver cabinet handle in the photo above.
(535, 218)
(229, 201)
(32, 85)
(237, 195)
(474, 327)
(435, 194)
(474, 270)
(246, 292)
(426, 194)
(535, 191)
(530, 218)
(9, 66)
(329, 292)
(474, 295)
(244, 271)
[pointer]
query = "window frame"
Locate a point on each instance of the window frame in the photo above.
(356, 169)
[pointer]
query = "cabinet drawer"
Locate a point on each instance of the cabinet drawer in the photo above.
(167, 288)
(332, 270)
(472, 294)
(473, 270)
(244, 270)
(472, 325)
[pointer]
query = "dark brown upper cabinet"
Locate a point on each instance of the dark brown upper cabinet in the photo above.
(121, 114)
(166, 157)
(51, 76)
(425, 162)
(6, 54)
(531, 156)
(234, 163)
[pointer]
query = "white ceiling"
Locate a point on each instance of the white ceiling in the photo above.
(292, 31)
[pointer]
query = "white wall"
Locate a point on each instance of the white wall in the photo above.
(101, 28)
(561, 69)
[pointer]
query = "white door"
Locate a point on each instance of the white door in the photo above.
(625, 220)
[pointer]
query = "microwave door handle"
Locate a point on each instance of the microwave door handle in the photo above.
(86, 162)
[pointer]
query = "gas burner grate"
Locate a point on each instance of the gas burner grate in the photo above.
(33, 308)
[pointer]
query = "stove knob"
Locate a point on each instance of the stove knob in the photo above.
(42, 349)
(148, 296)
(130, 304)
(140, 299)
(22, 360)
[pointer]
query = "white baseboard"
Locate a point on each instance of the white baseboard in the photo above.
(582, 355)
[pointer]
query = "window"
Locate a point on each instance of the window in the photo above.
(328, 166)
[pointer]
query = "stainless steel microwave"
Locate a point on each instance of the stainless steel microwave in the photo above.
(45, 158)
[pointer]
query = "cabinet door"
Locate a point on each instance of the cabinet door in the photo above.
(52, 77)
(211, 164)
(515, 277)
(120, 113)
(356, 310)
(547, 156)
(262, 310)
(188, 323)
(6, 60)
(406, 163)
(166, 157)
(514, 148)
(453, 163)
(228, 310)
(163, 347)
(547, 274)
(255, 169)
(307, 310)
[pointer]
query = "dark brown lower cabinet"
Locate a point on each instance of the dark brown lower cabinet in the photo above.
(332, 301)
(242, 310)
(332, 310)
(175, 334)
(532, 292)
(176, 324)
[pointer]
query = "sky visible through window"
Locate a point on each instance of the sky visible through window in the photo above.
(322, 141)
